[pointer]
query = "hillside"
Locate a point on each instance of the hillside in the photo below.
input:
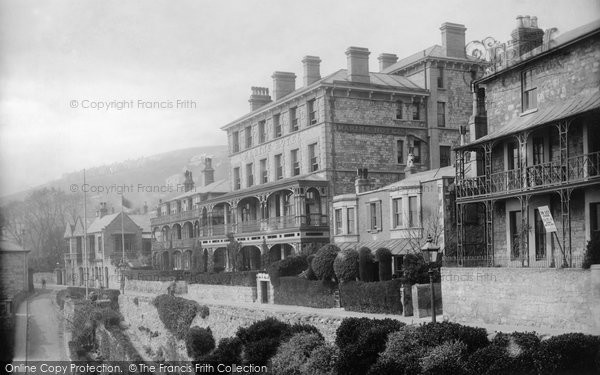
(145, 179)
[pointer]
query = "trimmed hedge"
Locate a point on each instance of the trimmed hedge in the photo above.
(434, 334)
(373, 297)
(302, 292)
(345, 265)
(571, 353)
(291, 266)
(292, 355)
(199, 342)
(77, 292)
(177, 313)
(322, 264)
(365, 259)
(241, 278)
(384, 257)
(592, 251)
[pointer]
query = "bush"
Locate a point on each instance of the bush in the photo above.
(402, 353)
(291, 266)
(293, 354)
(375, 297)
(199, 342)
(345, 265)
(572, 353)
(384, 257)
(491, 360)
(434, 334)
(75, 292)
(261, 340)
(322, 263)
(176, 313)
(370, 336)
(322, 360)
(365, 259)
(592, 251)
(60, 298)
(310, 273)
(228, 352)
(108, 317)
(241, 278)
(303, 292)
(445, 359)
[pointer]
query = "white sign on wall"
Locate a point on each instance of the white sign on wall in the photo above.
(547, 219)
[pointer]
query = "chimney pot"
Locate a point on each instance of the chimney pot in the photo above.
(386, 60)
(284, 83)
(208, 171)
(312, 69)
(453, 39)
(259, 97)
(519, 22)
(358, 64)
(527, 21)
(534, 22)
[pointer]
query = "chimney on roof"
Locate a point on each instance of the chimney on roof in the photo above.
(527, 35)
(362, 182)
(453, 39)
(386, 60)
(145, 208)
(283, 84)
(188, 184)
(312, 69)
(103, 211)
(259, 97)
(358, 64)
(208, 171)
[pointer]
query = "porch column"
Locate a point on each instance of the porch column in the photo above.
(489, 231)
(487, 163)
(522, 138)
(209, 218)
(460, 233)
(524, 232)
(565, 208)
(563, 143)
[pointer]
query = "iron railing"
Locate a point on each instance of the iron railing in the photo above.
(556, 261)
(576, 169)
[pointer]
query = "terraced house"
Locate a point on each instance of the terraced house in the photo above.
(292, 153)
(534, 150)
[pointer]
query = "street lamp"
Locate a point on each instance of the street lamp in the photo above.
(430, 254)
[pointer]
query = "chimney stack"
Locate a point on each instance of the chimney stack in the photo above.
(386, 60)
(453, 39)
(358, 64)
(362, 182)
(103, 210)
(283, 84)
(208, 171)
(188, 184)
(527, 35)
(145, 208)
(312, 69)
(259, 97)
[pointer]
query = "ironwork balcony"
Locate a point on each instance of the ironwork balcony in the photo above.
(576, 169)
(184, 243)
(317, 220)
(280, 222)
(249, 226)
(558, 261)
(179, 216)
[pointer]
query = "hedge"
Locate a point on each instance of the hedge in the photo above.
(302, 292)
(322, 264)
(384, 257)
(177, 313)
(242, 278)
(365, 259)
(291, 266)
(76, 292)
(373, 297)
(345, 265)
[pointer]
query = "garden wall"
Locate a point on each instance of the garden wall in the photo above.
(566, 299)
(226, 293)
(155, 287)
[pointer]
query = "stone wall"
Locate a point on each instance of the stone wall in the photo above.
(529, 297)
(155, 287)
(231, 294)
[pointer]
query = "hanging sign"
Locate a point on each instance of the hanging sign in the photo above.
(547, 219)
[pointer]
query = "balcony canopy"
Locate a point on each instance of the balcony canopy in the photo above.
(570, 107)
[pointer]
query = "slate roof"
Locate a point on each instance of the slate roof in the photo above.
(435, 51)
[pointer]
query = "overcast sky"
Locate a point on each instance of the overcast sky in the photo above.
(55, 55)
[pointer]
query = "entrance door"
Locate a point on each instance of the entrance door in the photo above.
(264, 291)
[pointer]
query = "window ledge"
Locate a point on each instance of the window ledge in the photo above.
(529, 111)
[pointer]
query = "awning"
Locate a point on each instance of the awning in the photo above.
(397, 247)
(570, 107)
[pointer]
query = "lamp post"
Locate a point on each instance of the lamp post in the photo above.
(430, 253)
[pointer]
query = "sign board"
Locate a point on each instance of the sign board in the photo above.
(547, 219)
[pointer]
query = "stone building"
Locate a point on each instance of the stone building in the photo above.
(398, 216)
(534, 148)
(100, 256)
(14, 277)
(292, 153)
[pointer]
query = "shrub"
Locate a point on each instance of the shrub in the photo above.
(293, 354)
(402, 353)
(303, 292)
(241, 278)
(384, 257)
(261, 340)
(572, 353)
(371, 335)
(434, 334)
(108, 317)
(365, 259)
(60, 298)
(310, 273)
(291, 266)
(199, 342)
(322, 263)
(345, 265)
(375, 297)
(491, 360)
(176, 313)
(322, 360)
(414, 269)
(592, 251)
(445, 359)
(305, 328)
(228, 352)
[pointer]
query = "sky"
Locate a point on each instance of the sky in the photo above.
(86, 83)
